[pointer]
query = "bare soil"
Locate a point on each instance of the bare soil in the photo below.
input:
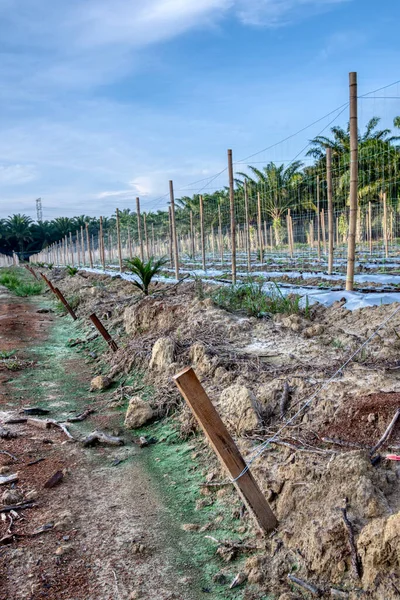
(106, 537)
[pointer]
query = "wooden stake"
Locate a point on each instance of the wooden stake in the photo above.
(83, 247)
(139, 225)
(247, 227)
(71, 249)
(130, 243)
(259, 230)
(171, 251)
(351, 255)
(233, 221)
(330, 208)
(173, 225)
(146, 237)
(66, 304)
(119, 239)
(202, 240)
(103, 332)
(225, 448)
(88, 246)
(78, 254)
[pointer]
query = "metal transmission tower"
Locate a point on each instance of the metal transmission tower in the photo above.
(39, 210)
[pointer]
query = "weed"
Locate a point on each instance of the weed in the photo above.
(253, 299)
(72, 271)
(50, 266)
(16, 281)
(5, 354)
(144, 271)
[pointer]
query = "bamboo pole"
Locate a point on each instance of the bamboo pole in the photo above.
(353, 182)
(385, 226)
(146, 237)
(139, 225)
(330, 208)
(202, 240)
(171, 252)
(259, 229)
(101, 240)
(173, 225)
(88, 246)
(370, 226)
(232, 211)
(192, 248)
(71, 249)
(220, 236)
(323, 230)
(247, 229)
(318, 224)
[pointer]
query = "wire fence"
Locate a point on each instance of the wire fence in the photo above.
(264, 211)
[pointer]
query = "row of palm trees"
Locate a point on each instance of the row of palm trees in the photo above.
(280, 187)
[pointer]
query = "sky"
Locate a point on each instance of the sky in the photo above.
(104, 101)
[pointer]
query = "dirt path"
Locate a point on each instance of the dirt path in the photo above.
(107, 536)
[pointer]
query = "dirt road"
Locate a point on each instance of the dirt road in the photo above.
(107, 533)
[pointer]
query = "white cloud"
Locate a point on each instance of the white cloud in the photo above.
(272, 13)
(17, 174)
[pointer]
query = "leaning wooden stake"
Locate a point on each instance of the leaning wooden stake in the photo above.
(330, 208)
(60, 296)
(233, 220)
(103, 331)
(351, 244)
(225, 448)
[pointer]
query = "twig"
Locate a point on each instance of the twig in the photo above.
(284, 400)
(355, 559)
(20, 506)
(305, 585)
(294, 447)
(9, 454)
(387, 433)
(337, 442)
(81, 417)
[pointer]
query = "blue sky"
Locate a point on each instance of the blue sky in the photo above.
(102, 101)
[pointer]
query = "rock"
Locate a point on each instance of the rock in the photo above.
(238, 407)
(138, 413)
(100, 383)
(11, 497)
(379, 548)
(190, 527)
(313, 331)
(162, 355)
(64, 549)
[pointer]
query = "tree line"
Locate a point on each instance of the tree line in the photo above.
(280, 187)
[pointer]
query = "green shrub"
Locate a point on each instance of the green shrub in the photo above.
(250, 298)
(72, 271)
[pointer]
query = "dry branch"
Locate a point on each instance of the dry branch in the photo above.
(100, 437)
(8, 478)
(20, 506)
(305, 585)
(284, 400)
(388, 432)
(9, 454)
(355, 559)
(81, 417)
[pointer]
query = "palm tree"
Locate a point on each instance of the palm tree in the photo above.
(145, 271)
(18, 227)
(278, 186)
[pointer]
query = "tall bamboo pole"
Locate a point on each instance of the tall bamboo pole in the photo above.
(202, 239)
(88, 246)
(146, 237)
(330, 208)
(221, 240)
(139, 225)
(83, 247)
(385, 226)
(119, 239)
(259, 229)
(232, 209)
(370, 227)
(353, 182)
(173, 224)
(101, 239)
(247, 231)
(318, 223)
(192, 249)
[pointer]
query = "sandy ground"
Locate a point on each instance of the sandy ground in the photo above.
(106, 535)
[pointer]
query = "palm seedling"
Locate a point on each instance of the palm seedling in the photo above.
(145, 271)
